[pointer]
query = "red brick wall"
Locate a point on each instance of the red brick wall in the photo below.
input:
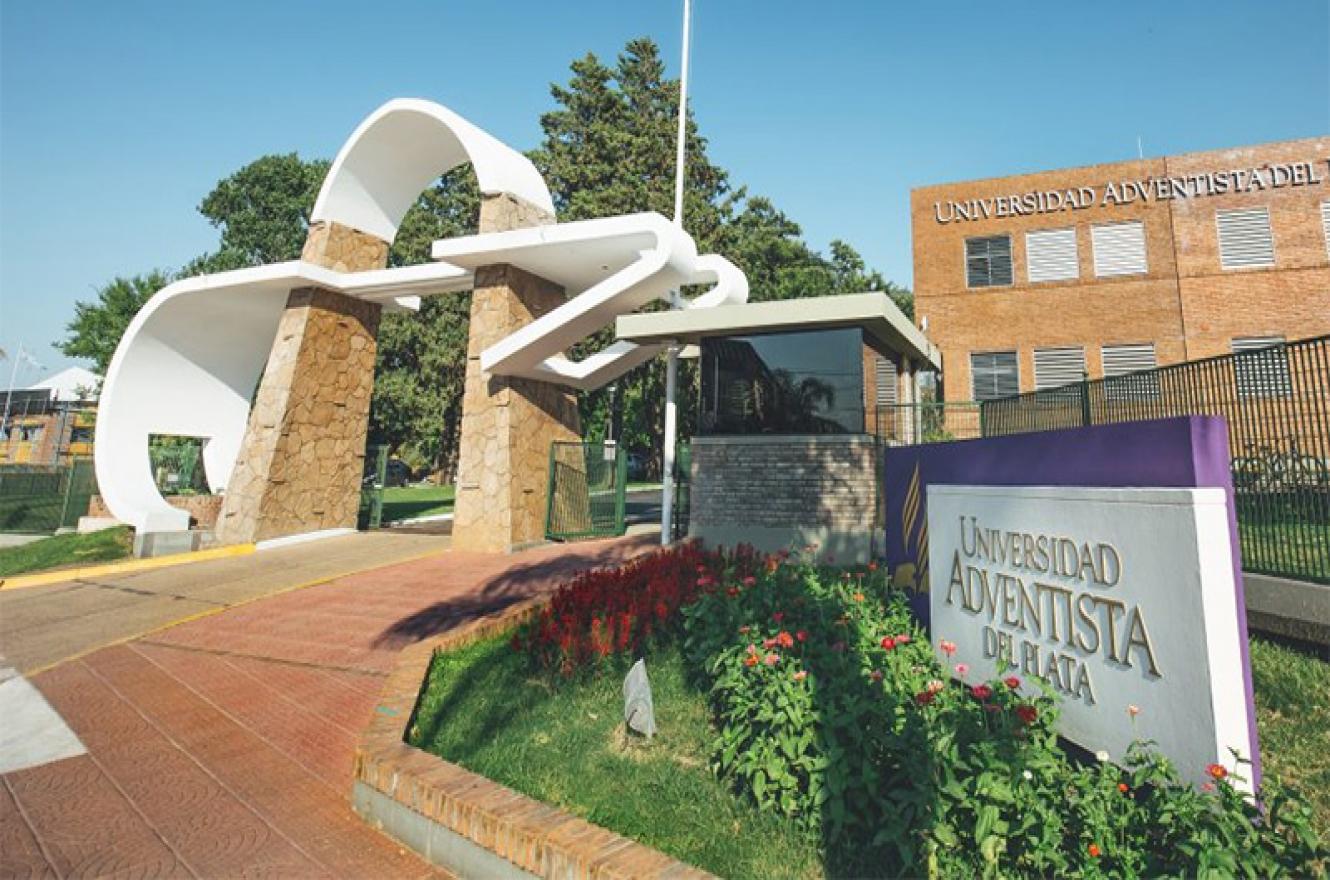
(1186, 304)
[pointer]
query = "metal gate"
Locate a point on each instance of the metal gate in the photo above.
(683, 470)
(586, 491)
(370, 515)
(43, 498)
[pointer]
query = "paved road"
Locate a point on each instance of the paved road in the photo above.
(44, 625)
(223, 746)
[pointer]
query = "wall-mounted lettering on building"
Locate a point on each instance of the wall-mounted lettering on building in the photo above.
(1116, 597)
(1128, 192)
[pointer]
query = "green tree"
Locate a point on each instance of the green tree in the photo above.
(97, 326)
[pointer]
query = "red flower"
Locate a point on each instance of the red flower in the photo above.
(1122, 787)
(947, 647)
(745, 628)
(778, 616)
(749, 581)
(1027, 713)
(732, 592)
(802, 635)
(1218, 771)
(1012, 682)
(889, 643)
(1094, 850)
(981, 691)
(923, 698)
(872, 566)
(768, 643)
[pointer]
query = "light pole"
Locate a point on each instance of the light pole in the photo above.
(672, 353)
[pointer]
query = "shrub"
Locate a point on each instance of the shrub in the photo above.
(616, 612)
(833, 709)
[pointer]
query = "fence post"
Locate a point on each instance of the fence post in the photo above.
(1085, 400)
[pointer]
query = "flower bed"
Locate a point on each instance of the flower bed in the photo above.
(830, 709)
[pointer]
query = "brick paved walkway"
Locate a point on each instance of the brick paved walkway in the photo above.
(222, 747)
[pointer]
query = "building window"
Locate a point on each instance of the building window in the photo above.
(988, 261)
(994, 374)
(1050, 255)
(1119, 249)
(1260, 367)
(1123, 376)
(783, 383)
(1245, 240)
(1325, 224)
(885, 373)
(1055, 367)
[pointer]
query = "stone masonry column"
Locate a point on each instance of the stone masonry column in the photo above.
(301, 462)
(508, 424)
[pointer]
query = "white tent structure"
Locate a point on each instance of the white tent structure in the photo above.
(70, 385)
(190, 360)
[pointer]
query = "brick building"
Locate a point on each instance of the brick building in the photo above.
(1029, 281)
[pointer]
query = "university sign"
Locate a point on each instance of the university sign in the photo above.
(1100, 561)
(1128, 192)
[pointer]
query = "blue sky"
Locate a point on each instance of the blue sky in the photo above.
(116, 118)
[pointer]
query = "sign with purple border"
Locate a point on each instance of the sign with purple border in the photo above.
(1189, 586)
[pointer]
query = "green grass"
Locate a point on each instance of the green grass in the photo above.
(407, 502)
(65, 550)
(483, 710)
(1293, 718)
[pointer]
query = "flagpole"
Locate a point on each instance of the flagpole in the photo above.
(672, 352)
(9, 395)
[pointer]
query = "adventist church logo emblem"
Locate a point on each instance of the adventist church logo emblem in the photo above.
(911, 574)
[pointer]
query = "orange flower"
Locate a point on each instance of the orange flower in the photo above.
(858, 597)
(750, 660)
(1122, 787)
(801, 675)
(1094, 850)
(1218, 771)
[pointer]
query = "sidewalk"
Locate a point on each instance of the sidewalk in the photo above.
(223, 745)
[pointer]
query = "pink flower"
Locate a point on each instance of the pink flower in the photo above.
(801, 635)
(749, 581)
(981, 691)
(947, 647)
(962, 669)
(1133, 710)
(778, 616)
(745, 628)
(903, 639)
(771, 659)
(768, 643)
(800, 675)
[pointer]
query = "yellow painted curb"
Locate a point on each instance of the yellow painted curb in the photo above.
(131, 565)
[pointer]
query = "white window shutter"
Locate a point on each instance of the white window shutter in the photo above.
(1119, 249)
(1050, 255)
(1245, 239)
(1055, 367)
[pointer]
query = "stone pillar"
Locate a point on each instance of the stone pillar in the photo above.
(300, 464)
(507, 424)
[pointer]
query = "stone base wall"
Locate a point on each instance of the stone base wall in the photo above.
(777, 492)
(507, 424)
(300, 466)
(203, 510)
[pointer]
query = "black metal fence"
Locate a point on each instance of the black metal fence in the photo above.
(908, 424)
(1277, 404)
(35, 499)
(587, 484)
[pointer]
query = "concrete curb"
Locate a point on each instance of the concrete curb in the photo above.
(463, 822)
(131, 565)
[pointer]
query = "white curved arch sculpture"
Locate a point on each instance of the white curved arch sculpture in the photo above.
(403, 147)
(190, 360)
